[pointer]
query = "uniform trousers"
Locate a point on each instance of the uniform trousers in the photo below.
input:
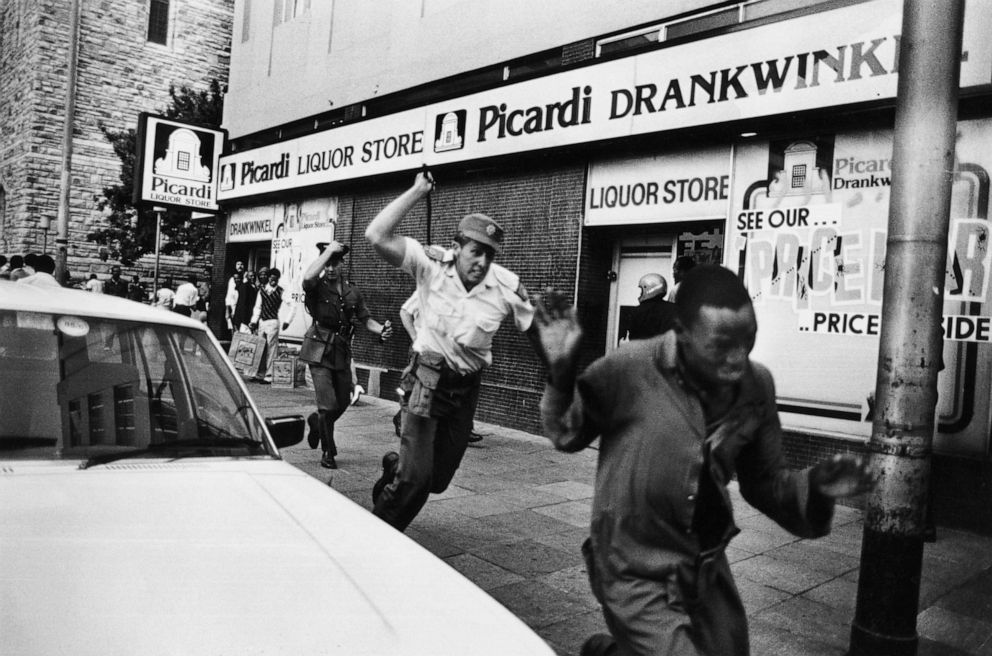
(332, 387)
(269, 329)
(438, 410)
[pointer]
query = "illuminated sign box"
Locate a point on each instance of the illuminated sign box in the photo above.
(176, 164)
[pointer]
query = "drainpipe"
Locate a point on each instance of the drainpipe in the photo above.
(911, 342)
(65, 183)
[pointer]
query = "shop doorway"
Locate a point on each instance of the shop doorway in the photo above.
(637, 254)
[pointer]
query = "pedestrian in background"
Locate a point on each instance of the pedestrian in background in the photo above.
(185, 297)
(245, 303)
(409, 315)
(115, 285)
(337, 307)
(202, 305)
(681, 266)
(94, 284)
(273, 308)
(231, 294)
(441, 384)
(136, 290)
(164, 295)
(677, 417)
(44, 275)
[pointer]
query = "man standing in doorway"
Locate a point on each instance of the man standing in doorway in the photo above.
(681, 266)
(247, 295)
(677, 417)
(462, 303)
(265, 319)
(337, 307)
(654, 315)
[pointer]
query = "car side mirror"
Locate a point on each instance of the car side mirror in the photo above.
(286, 430)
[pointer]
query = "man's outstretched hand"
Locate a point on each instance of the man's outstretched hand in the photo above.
(843, 475)
(559, 336)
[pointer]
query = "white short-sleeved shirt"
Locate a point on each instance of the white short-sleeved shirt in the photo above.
(186, 294)
(460, 324)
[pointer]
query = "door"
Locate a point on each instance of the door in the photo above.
(634, 258)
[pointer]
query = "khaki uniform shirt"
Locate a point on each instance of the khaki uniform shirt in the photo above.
(460, 324)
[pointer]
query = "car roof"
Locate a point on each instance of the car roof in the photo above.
(60, 300)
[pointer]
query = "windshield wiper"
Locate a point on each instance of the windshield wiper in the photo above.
(198, 444)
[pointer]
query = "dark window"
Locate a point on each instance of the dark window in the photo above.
(633, 42)
(798, 176)
(246, 21)
(533, 65)
(703, 23)
(183, 162)
(158, 21)
(287, 10)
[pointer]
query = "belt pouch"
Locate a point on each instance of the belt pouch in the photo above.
(315, 342)
(426, 373)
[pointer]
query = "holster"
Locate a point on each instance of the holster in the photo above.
(420, 381)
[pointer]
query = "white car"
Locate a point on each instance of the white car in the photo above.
(144, 508)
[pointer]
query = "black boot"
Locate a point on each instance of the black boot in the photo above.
(390, 462)
(313, 437)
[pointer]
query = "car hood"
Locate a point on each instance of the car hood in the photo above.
(223, 557)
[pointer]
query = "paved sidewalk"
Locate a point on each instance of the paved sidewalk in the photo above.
(517, 511)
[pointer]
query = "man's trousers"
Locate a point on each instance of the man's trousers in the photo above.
(332, 387)
(438, 409)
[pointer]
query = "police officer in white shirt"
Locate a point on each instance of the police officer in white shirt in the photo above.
(463, 297)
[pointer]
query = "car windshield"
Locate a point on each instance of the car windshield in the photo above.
(96, 389)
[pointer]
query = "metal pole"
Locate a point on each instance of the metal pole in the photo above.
(62, 228)
(158, 238)
(911, 343)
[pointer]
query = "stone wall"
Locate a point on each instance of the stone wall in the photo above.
(119, 75)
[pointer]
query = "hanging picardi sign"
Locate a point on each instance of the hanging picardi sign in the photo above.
(176, 163)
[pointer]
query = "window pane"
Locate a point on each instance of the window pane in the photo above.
(702, 23)
(629, 43)
(246, 21)
(158, 21)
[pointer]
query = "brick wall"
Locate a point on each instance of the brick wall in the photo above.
(119, 75)
(540, 210)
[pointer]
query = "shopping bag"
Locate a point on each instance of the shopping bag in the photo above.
(284, 371)
(246, 353)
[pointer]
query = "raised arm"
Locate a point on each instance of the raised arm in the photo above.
(557, 336)
(319, 264)
(381, 231)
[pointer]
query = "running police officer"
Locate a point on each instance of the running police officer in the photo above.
(463, 297)
(337, 307)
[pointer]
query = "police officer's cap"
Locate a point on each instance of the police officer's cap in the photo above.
(482, 229)
(345, 249)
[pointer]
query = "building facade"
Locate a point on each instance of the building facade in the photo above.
(757, 135)
(129, 53)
